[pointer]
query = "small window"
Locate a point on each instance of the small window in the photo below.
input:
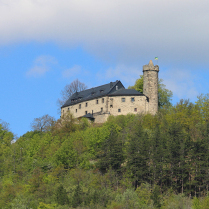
(79, 106)
(85, 112)
(123, 99)
(102, 100)
(101, 109)
(132, 99)
(86, 104)
(116, 88)
(101, 91)
(97, 101)
(119, 110)
(63, 111)
(68, 109)
(111, 106)
(135, 109)
(76, 110)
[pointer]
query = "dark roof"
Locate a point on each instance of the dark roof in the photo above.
(111, 89)
(89, 115)
(93, 93)
(126, 92)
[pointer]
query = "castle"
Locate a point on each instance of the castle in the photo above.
(98, 103)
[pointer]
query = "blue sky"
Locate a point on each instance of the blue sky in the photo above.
(46, 44)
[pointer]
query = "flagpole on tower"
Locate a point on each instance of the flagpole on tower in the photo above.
(156, 58)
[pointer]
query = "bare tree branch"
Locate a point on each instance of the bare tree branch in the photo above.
(43, 123)
(70, 89)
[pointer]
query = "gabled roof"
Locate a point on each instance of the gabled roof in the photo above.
(126, 92)
(93, 93)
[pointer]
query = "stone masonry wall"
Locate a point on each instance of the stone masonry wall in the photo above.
(120, 107)
(114, 105)
(150, 86)
(80, 109)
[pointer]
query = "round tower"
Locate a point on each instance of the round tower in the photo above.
(150, 86)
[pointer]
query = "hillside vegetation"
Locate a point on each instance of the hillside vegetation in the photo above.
(132, 161)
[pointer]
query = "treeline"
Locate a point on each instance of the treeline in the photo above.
(132, 161)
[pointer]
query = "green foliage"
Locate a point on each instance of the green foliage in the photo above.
(132, 161)
(111, 154)
(138, 84)
(61, 196)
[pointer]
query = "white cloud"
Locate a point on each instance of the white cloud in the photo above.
(41, 66)
(75, 70)
(127, 75)
(125, 30)
(182, 83)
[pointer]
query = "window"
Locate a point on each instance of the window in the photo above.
(132, 99)
(76, 110)
(85, 112)
(123, 99)
(86, 104)
(116, 88)
(111, 106)
(63, 111)
(101, 91)
(68, 109)
(102, 100)
(135, 109)
(101, 109)
(97, 101)
(119, 110)
(79, 106)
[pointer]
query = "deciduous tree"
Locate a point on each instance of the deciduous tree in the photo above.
(69, 90)
(43, 123)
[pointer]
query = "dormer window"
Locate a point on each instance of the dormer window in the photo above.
(116, 88)
(101, 91)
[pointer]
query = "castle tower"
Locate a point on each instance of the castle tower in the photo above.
(150, 86)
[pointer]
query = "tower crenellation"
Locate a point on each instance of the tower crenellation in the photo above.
(150, 86)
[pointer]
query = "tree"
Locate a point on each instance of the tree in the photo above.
(69, 90)
(164, 95)
(43, 123)
(61, 196)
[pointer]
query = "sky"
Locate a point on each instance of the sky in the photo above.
(46, 44)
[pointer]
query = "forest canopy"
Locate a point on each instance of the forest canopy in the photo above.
(132, 161)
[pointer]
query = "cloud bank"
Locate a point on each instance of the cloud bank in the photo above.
(122, 30)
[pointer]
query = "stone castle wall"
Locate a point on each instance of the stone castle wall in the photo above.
(105, 106)
(132, 104)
